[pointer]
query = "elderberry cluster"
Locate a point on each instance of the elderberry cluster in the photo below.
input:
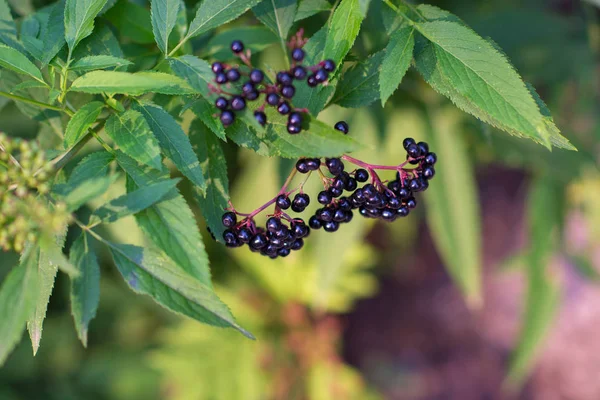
(236, 86)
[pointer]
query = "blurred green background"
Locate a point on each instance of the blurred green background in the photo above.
(371, 312)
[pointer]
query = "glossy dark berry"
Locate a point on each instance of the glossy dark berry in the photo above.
(342, 126)
(237, 46)
(361, 175)
(430, 158)
(299, 229)
(302, 166)
(312, 81)
(284, 78)
(221, 103)
(351, 185)
(407, 142)
(238, 103)
(335, 165)
(230, 238)
(388, 214)
(244, 235)
(413, 150)
(258, 241)
(428, 172)
(299, 72)
(247, 87)
(329, 65)
(284, 108)
(283, 252)
(411, 203)
(313, 164)
(414, 185)
(288, 91)
(331, 226)
(217, 67)
(233, 75)
(227, 118)
(273, 99)
(301, 201)
(273, 224)
(256, 76)
(314, 222)
(321, 75)
(295, 118)
(325, 214)
(335, 192)
(229, 219)
(298, 244)
(298, 54)
(294, 129)
(324, 197)
(221, 78)
(403, 211)
(260, 117)
(283, 202)
(423, 148)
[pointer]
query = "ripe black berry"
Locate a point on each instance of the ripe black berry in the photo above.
(237, 46)
(335, 192)
(299, 229)
(331, 226)
(314, 222)
(247, 87)
(321, 75)
(273, 224)
(299, 72)
(312, 81)
(407, 142)
(428, 172)
(411, 203)
(288, 91)
(301, 201)
(260, 117)
(335, 165)
(430, 158)
(284, 108)
(217, 67)
(256, 76)
(252, 95)
(293, 129)
(221, 78)
(329, 65)
(302, 166)
(413, 150)
(273, 99)
(423, 148)
(244, 235)
(283, 202)
(298, 244)
(233, 75)
(284, 78)
(342, 126)
(221, 103)
(258, 241)
(298, 54)
(295, 118)
(229, 219)
(323, 197)
(227, 118)
(230, 238)
(313, 164)
(351, 185)
(361, 175)
(238, 103)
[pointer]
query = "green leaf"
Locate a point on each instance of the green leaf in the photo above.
(452, 215)
(359, 86)
(398, 55)
(243, 134)
(47, 41)
(214, 13)
(170, 224)
(97, 82)
(543, 292)
(85, 289)
(8, 29)
(92, 166)
(91, 63)
(308, 8)
(164, 17)
(101, 42)
(135, 201)
(152, 273)
(79, 19)
(77, 196)
(215, 200)
(195, 71)
(277, 15)
(14, 60)
(79, 124)
(133, 21)
(17, 300)
(205, 111)
(343, 30)
(133, 135)
(256, 39)
(173, 141)
(458, 63)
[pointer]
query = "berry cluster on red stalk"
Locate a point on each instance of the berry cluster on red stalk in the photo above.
(340, 198)
(238, 85)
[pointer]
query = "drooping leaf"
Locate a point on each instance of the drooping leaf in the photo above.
(133, 21)
(17, 300)
(214, 13)
(308, 8)
(79, 19)
(173, 141)
(132, 84)
(170, 224)
(398, 55)
(152, 273)
(215, 200)
(92, 166)
(277, 15)
(47, 41)
(134, 202)
(15, 61)
(91, 63)
(164, 17)
(75, 197)
(85, 289)
(79, 124)
(359, 86)
(133, 135)
(343, 30)
(256, 39)
(452, 215)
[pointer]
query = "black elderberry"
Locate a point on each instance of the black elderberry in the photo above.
(329, 65)
(411, 203)
(403, 211)
(217, 67)
(314, 222)
(283, 202)
(284, 78)
(423, 148)
(281, 233)
(244, 235)
(221, 103)
(238, 103)
(414, 185)
(273, 224)
(313, 164)
(237, 46)
(407, 142)
(351, 185)
(233, 75)
(428, 172)
(302, 166)
(300, 202)
(335, 165)
(342, 126)
(273, 99)
(298, 55)
(413, 150)
(284, 108)
(283, 252)
(256, 76)
(299, 229)
(295, 118)
(221, 78)
(430, 158)
(404, 193)
(229, 219)
(260, 117)
(394, 203)
(247, 87)
(227, 118)
(361, 175)
(312, 81)
(230, 238)
(299, 72)
(293, 129)
(297, 244)
(288, 91)
(335, 192)
(321, 76)
(339, 215)
(324, 197)
(325, 214)
(258, 241)
(331, 226)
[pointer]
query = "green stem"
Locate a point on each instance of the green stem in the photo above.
(34, 102)
(401, 13)
(185, 39)
(61, 161)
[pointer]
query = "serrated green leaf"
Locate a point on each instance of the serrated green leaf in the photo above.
(244, 135)
(49, 38)
(256, 39)
(8, 29)
(458, 63)
(79, 123)
(398, 55)
(543, 293)
(75, 197)
(101, 42)
(51, 250)
(206, 111)
(17, 300)
(134, 202)
(97, 82)
(133, 135)
(164, 17)
(79, 19)
(343, 30)
(91, 63)
(359, 86)
(15, 61)
(215, 200)
(174, 142)
(453, 216)
(152, 273)
(195, 71)
(214, 13)
(85, 289)
(308, 8)
(133, 21)
(92, 166)
(170, 224)
(277, 15)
